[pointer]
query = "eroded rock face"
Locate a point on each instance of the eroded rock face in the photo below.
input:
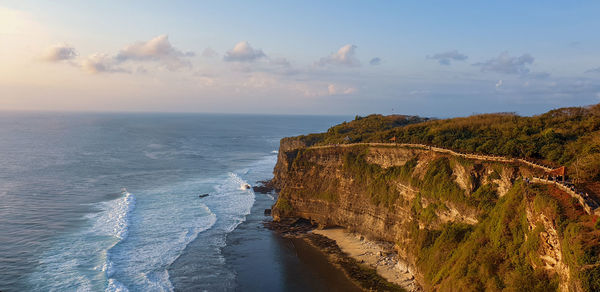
(550, 253)
(315, 185)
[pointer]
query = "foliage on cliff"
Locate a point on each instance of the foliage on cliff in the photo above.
(499, 252)
(374, 180)
(360, 128)
(492, 255)
(566, 136)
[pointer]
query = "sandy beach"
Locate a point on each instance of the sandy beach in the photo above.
(379, 256)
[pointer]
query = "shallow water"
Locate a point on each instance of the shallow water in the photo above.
(66, 225)
(264, 261)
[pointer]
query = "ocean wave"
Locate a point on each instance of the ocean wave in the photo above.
(115, 286)
(115, 221)
(132, 241)
(165, 223)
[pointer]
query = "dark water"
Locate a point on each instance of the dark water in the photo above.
(264, 261)
(66, 226)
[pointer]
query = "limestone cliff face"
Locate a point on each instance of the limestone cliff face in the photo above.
(315, 185)
(318, 184)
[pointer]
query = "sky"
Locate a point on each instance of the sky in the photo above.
(428, 58)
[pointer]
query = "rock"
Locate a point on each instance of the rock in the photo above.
(267, 212)
(203, 195)
(264, 187)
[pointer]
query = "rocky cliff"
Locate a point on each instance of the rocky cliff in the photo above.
(458, 224)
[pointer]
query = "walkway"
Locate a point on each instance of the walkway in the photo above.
(589, 205)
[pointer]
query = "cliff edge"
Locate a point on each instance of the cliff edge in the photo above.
(458, 224)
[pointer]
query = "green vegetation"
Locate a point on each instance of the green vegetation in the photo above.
(283, 204)
(361, 128)
(492, 255)
(439, 183)
(566, 136)
(374, 180)
(320, 187)
(495, 175)
(500, 251)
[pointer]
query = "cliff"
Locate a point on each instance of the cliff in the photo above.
(459, 224)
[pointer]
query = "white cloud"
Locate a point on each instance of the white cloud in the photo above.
(345, 56)
(158, 49)
(243, 52)
(446, 57)
(101, 63)
(61, 52)
(333, 89)
(506, 64)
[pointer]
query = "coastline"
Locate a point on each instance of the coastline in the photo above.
(364, 269)
(378, 255)
(263, 260)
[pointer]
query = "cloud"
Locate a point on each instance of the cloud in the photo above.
(101, 63)
(59, 53)
(375, 61)
(243, 52)
(158, 49)
(593, 70)
(345, 56)
(333, 89)
(446, 57)
(209, 53)
(506, 64)
(283, 62)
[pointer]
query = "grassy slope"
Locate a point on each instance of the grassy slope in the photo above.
(567, 136)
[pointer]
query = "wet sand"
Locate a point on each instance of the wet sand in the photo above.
(379, 256)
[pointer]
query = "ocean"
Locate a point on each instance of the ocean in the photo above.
(110, 202)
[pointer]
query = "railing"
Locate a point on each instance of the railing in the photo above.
(448, 151)
(589, 205)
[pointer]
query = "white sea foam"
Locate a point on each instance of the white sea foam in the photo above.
(115, 221)
(166, 221)
(274, 152)
(239, 203)
(115, 286)
(137, 238)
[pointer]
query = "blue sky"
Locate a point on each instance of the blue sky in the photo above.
(434, 58)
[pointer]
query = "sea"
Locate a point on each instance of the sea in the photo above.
(111, 202)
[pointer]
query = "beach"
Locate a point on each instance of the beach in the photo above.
(378, 255)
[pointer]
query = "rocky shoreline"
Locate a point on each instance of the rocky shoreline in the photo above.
(359, 271)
